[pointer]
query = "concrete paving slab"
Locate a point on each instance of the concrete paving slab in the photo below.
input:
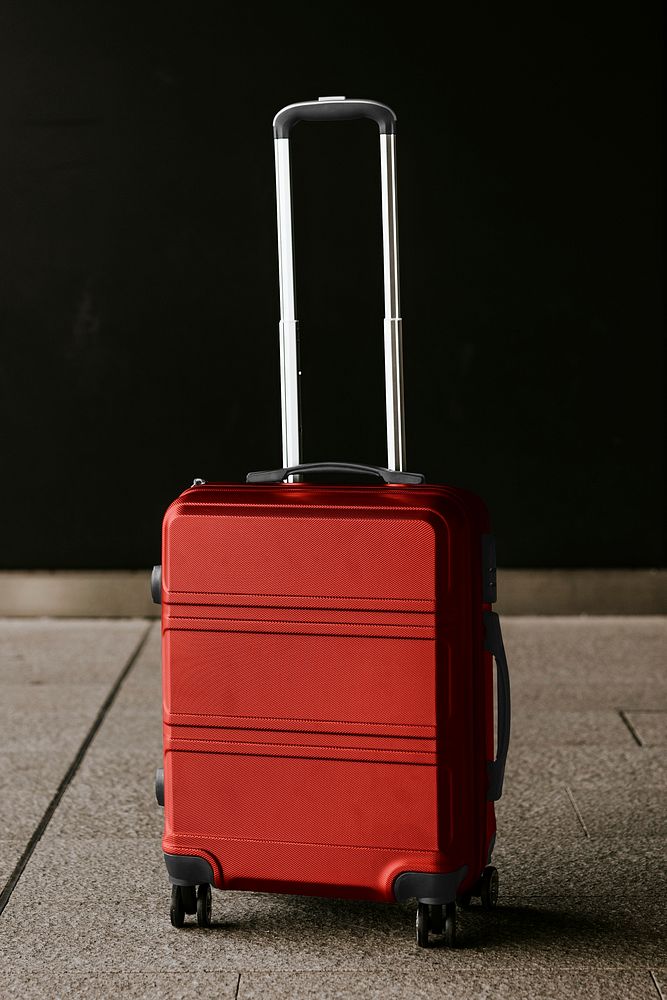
(51, 718)
(140, 727)
(120, 767)
(137, 718)
(539, 810)
(107, 873)
(393, 984)
(54, 676)
(191, 985)
(537, 726)
(65, 652)
(147, 669)
(532, 767)
(22, 809)
(113, 796)
(277, 933)
(543, 870)
(629, 812)
(11, 850)
(25, 771)
(587, 663)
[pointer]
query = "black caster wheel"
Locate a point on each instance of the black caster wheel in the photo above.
(189, 897)
(449, 929)
(435, 919)
(177, 911)
(204, 905)
(423, 924)
(489, 887)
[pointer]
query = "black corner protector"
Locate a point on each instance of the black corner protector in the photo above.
(435, 888)
(156, 584)
(185, 869)
(159, 786)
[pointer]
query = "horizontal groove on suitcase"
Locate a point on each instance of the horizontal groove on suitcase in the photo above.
(297, 601)
(301, 737)
(322, 616)
(181, 839)
(341, 630)
(319, 726)
(286, 620)
(359, 754)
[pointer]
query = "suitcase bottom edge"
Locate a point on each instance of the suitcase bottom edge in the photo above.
(434, 887)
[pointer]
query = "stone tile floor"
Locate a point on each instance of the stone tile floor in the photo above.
(581, 846)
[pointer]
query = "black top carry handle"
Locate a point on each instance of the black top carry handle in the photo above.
(494, 645)
(388, 476)
(333, 109)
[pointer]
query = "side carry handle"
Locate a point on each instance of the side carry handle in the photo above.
(388, 476)
(493, 643)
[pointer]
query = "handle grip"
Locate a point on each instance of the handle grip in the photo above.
(388, 476)
(494, 645)
(333, 109)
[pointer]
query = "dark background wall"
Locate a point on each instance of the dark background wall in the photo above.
(138, 272)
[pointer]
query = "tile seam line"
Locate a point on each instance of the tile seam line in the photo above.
(629, 726)
(655, 982)
(66, 780)
(576, 809)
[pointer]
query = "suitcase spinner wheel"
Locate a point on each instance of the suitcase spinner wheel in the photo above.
(440, 920)
(204, 905)
(486, 889)
(177, 911)
(189, 900)
(489, 887)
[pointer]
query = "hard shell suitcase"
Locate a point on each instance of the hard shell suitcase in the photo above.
(328, 657)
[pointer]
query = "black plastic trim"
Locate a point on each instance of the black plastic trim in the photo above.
(185, 869)
(388, 476)
(489, 572)
(156, 584)
(159, 786)
(493, 643)
(343, 109)
(434, 888)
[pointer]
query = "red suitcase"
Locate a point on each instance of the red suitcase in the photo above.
(328, 658)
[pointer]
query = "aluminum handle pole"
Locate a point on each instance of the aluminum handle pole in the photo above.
(289, 337)
(393, 346)
(288, 327)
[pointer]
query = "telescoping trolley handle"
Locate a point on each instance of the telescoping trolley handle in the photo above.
(328, 109)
